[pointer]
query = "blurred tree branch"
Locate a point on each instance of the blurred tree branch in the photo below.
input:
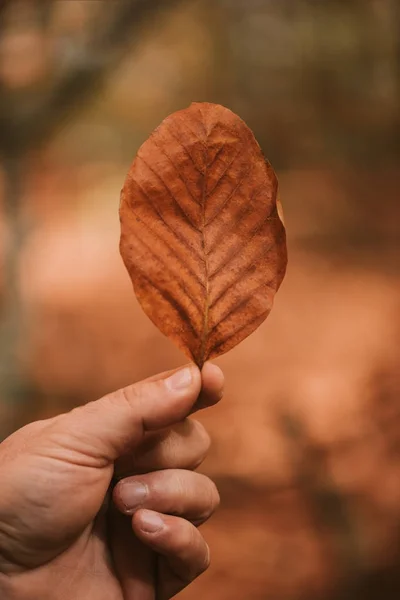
(23, 126)
(27, 120)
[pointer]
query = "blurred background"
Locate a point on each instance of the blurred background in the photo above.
(306, 443)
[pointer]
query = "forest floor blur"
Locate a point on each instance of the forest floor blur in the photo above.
(306, 443)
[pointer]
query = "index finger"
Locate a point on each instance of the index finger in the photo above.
(212, 385)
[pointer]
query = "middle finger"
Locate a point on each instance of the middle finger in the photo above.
(183, 446)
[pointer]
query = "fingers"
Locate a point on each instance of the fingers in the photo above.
(114, 425)
(177, 492)
(186, 554)
(183, 446)
(212, 386)
(135, 563)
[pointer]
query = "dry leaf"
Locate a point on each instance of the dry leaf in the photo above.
(200, 232)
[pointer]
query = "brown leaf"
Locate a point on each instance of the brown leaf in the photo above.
(200, 232)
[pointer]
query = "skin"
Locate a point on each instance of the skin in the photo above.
(103, 502)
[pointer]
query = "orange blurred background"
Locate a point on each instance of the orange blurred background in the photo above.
(306, 443)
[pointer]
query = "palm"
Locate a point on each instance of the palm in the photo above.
(82, 548)
(84, 570)
(105, 562)
(59, 539)
(82, 544)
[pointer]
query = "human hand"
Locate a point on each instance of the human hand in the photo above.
(62, 537)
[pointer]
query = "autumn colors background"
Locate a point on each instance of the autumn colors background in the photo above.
(307, 441)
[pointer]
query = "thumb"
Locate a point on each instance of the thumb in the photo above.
(108, 428)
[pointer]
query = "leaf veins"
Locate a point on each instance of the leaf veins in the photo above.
(201, 233)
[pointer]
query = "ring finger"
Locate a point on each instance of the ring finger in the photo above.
(173, 491)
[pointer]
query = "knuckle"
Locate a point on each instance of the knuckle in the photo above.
(135, 394)
(180, 492)
(126, 395)
(215, 497)
(130, 395)
(203, 435)
(206, 560)
(186, 539)
(170, 489)
(202, 446)
(171, 450)
(203, 561)
(211, 502)
(191, 550)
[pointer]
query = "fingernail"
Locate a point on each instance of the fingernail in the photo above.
(132, 494)
(181, 379)
(150, 522)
